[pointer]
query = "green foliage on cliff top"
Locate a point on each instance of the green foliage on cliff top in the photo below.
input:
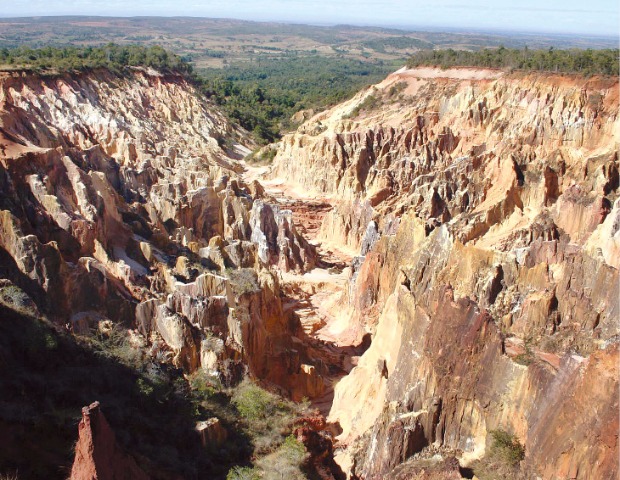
(111, 56)
(261, 96)
(586, 62)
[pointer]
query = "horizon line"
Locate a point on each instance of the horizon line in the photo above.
(403, 28)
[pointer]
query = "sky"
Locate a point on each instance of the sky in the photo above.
(594, 17)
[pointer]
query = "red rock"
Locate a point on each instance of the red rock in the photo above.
(97, 455)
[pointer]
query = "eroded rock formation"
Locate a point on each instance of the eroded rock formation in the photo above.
(483, 214)
(485, 209)
(119, 203)
(97, 455)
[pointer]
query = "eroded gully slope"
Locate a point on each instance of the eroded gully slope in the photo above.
(485, 209)
(119, 204)
(482, 209)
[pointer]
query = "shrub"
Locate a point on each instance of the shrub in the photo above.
(286, 462)
(507, 447)
(204, 386)
(502, 459)
(367, 104)
(268, 418)
(114, 343)
(243, 473)
(262, 156)
(16, 299)
(293, 450)
(397, 88)
(254, 403)
(526, 358)
(243, 280)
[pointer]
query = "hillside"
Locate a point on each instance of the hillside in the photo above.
(220, 42)
(126, 225)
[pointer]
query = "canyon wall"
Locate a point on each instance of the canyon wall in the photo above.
(486, 212)
(483, 207)
(121, 200)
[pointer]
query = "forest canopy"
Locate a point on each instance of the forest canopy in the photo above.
(586, 62)
(111, 56)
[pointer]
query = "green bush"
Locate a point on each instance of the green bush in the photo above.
(506, 447)
(367, 104)
(293, 450)
(262, 156)
(243, 473)
(254, 403)
(115, 343)
(502, 459)
(204, 386)
(268, 418)
(286, 462)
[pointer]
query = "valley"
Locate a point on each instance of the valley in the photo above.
(421, 283)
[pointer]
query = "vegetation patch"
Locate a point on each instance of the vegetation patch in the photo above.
(396, 43)
(47, 376)
(370, 102)
(586, 62)
(243, 473)
(262, 156)
(527, 357)
(503, 458)
(243, 280)
(111, 56)
(286, 462)
(263, 97)
(269, 418)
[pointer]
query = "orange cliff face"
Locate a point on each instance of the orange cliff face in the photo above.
(486, 208)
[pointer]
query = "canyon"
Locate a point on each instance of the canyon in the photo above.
(431, 261)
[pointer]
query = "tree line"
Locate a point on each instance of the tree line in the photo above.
(585, 62)
(113, 57)
(261, 96)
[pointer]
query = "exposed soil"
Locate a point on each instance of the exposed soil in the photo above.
(318, 298)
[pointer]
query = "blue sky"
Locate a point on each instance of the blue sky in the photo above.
(595, 17)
